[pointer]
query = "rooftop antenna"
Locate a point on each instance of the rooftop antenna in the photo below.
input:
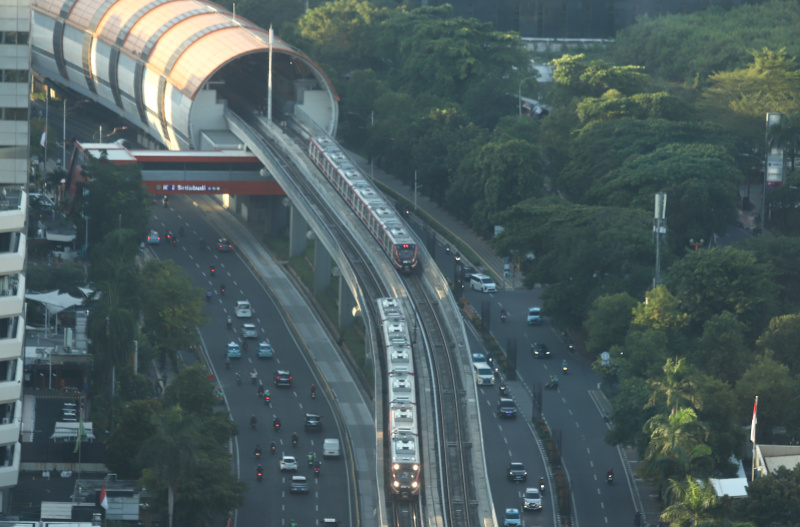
(659, 230)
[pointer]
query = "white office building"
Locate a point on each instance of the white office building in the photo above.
(14, 161)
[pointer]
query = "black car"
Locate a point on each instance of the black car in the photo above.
(224, 246)
(507, 407)
(517, 472)
(313, 423)
(540, 351)
(283, 379)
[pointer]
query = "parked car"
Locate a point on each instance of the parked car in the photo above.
(265, 350)
(534, 316)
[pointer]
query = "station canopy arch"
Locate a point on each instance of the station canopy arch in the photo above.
(172, 66)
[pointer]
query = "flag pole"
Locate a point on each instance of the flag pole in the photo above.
(753, 439)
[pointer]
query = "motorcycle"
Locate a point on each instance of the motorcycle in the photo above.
(310, 459)
(267, 399)
(503, 316)
(610, 478)
(503, 390)
(213, 271)
(238, 378)
(258, 455)
(253, 423)
(541, 486)
(317, 466)
(551, 385)
(276, 424)
(174, 241)
(208, 296)
(294, 440)
(313, 392)
(222, 290)
(259, 473)
(564, 368)
(229, 322)
(253, 378)
(273, 448)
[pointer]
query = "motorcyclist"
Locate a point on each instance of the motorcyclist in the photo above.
(276, 422)
(503, 314)
(257, 451)
(260, 389)
(208, 295)
(253, 421)
(313, 390)
(213, 270)
(238, 377)
(294, 438)
(253, 376)
(292, 523)
(229, 322)
(259, 471)
(222, 289)
(610, 473)
(273, 447)
(310, 457)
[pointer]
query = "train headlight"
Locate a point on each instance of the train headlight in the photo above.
(415, 467)
(396, 466)
(396, 483)
(414, 484)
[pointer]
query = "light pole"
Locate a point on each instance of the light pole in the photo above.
(519, 92)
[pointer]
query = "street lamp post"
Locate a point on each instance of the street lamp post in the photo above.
(519, 93)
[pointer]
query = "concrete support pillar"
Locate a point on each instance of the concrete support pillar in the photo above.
(322, 267)
(346, 304)
(297, 233)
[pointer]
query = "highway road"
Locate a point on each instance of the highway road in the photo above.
(267, 502)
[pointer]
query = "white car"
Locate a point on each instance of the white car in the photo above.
(532, 501)
(534, 316)
(288, 463)
(482, 283)
(243, 309)
(249, 331)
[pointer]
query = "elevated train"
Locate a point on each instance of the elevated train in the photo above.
(401, 403)
(361, 196)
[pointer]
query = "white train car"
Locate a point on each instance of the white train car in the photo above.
(403, 427)
(379, 217)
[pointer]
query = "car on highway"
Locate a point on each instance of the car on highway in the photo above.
(153, 238)
(507, 408)
(512, 518)
(283, 379)
(478, 357)
(540, 351)
(224, 246)
(288, 463)
(532, 499)
(517, 472)
(265, 350)
(233, 351)
(534, 316)
(299, 485)
(249, 331)
(313, 423)
(482, 283)
(243, 309)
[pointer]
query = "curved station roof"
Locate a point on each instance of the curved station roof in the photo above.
(172, 66)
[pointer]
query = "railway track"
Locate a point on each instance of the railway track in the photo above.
(454, 446)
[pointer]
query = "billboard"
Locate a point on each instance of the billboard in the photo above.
(775, 167)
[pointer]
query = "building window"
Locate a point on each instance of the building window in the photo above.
(14, 76)
(14, 37)
(14, 114)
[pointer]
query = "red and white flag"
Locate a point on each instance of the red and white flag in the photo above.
(103, 497)
(755, 420)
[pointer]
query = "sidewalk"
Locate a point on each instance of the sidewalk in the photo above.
(444, 222)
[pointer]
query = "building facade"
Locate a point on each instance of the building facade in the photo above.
(14, 162)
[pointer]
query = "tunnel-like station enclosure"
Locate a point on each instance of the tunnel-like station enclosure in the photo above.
(171, 67)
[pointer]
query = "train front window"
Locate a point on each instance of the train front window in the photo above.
(406, 251)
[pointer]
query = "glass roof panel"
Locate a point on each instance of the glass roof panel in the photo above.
(49, 6)
(117, 16)
(83, 11)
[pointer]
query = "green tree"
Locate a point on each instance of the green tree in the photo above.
(577, 77)
(770, 84)
(781, 338)
(66, 277)
(172, 306)
(777, 393)
(629, 413)
(676, 446)
(723, 279)
(780, 254)
(660, 311)
(613, 105)
(191, 391)
(133, 428)
(608, 321)
(675, 388)
(692, 502)
(722, 349)
(720, 413)
(774, 500)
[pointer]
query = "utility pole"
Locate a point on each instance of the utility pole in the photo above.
(659, 231)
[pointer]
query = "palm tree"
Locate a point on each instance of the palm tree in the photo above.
(691, 501)
(172, 452)
(675, 387)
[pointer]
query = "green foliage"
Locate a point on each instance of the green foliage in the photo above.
(191, 391)
(722, 350)
(172, 306)
(723, 279)
(770, 84)
(613, 105)
(780, 254)
(683, 47)
(692, 501)
(781, 338)
(675, 389)
(774, 500)
(608, 321)
(66, 277)
(660, 311)
(629, 413)
(777, 393)
(133, 428)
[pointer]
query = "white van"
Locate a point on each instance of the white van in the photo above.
(482, 283)
(330, 447)
(484, 375)
(243, 309)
